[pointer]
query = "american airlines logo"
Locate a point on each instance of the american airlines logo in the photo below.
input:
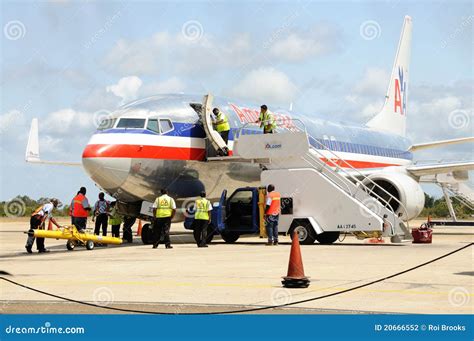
(273, 146)
(400, 104)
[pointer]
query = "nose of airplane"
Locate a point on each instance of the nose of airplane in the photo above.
(108, 173)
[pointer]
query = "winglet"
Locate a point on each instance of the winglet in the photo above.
(32, 148)
(32, 154)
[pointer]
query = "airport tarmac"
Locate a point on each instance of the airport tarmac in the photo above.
(243, 275)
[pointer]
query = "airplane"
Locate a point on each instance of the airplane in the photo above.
(161, 142)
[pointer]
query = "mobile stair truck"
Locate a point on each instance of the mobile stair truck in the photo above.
(322, 195)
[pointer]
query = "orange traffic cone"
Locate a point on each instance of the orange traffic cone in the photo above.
(379, 240)
(50, 225)
(295, 277)
(139, 230)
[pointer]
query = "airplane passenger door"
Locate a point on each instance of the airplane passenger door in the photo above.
(214, 137)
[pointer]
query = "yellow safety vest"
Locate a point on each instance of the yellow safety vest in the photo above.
(224, 125)
(267, 121)
(202, 209)
(163, 207)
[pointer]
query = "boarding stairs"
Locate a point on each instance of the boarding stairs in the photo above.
(462, 194)
(288, 159)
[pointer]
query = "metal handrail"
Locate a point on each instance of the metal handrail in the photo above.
(361, 182)
(464, 200)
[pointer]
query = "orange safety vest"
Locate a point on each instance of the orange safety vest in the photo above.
(78, 210)
(275, 205)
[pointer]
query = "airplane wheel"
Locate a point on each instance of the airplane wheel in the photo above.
(327, 237)
(305, 231)
(230, 237)
(89, 245)
(70, 245)
(147, 235)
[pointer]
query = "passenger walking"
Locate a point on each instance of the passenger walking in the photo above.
(266, 120)
(37, 222)
(101, 210)
(272, 214)
(115, 219)
(202, 218)
(80, 210)
(164, 210)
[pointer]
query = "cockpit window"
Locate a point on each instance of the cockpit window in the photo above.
(107, 123)
(132, 123)
(153, 125)
(166, 126)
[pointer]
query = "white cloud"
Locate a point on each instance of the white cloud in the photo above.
(63, 122)
(10, 120)
(126, 88)
(373, 82)
(266, 84)
(300, 46)
(170, 85)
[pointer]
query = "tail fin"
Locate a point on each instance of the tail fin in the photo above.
(392, 117)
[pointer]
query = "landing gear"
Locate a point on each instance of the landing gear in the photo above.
(327, 237)
(147, 234)
(304, 230)
(230, 237)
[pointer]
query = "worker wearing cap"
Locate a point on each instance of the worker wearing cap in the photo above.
(202, 218)
(266, 120)
(80, 210)
(272, 214)
(164, 210)
(37, 221)
(221, 124)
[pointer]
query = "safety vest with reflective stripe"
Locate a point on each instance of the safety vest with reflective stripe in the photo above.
(115, 218)
(275, 205)
(202, 209)
(78, 210)
(163, 207)
(224, 125)
(267, 121)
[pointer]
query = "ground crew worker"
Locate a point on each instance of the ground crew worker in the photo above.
(164, 210)
(115, 219)
(266, 120)
(272, 213)
(37, 221)
(202, 218)
(101, 209)
(80, 210)
(222, 124)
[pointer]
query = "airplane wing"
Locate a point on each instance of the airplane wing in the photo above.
(434, 144)
(437, 168)
(32, 149)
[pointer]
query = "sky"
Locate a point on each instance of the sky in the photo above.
(69, 62)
